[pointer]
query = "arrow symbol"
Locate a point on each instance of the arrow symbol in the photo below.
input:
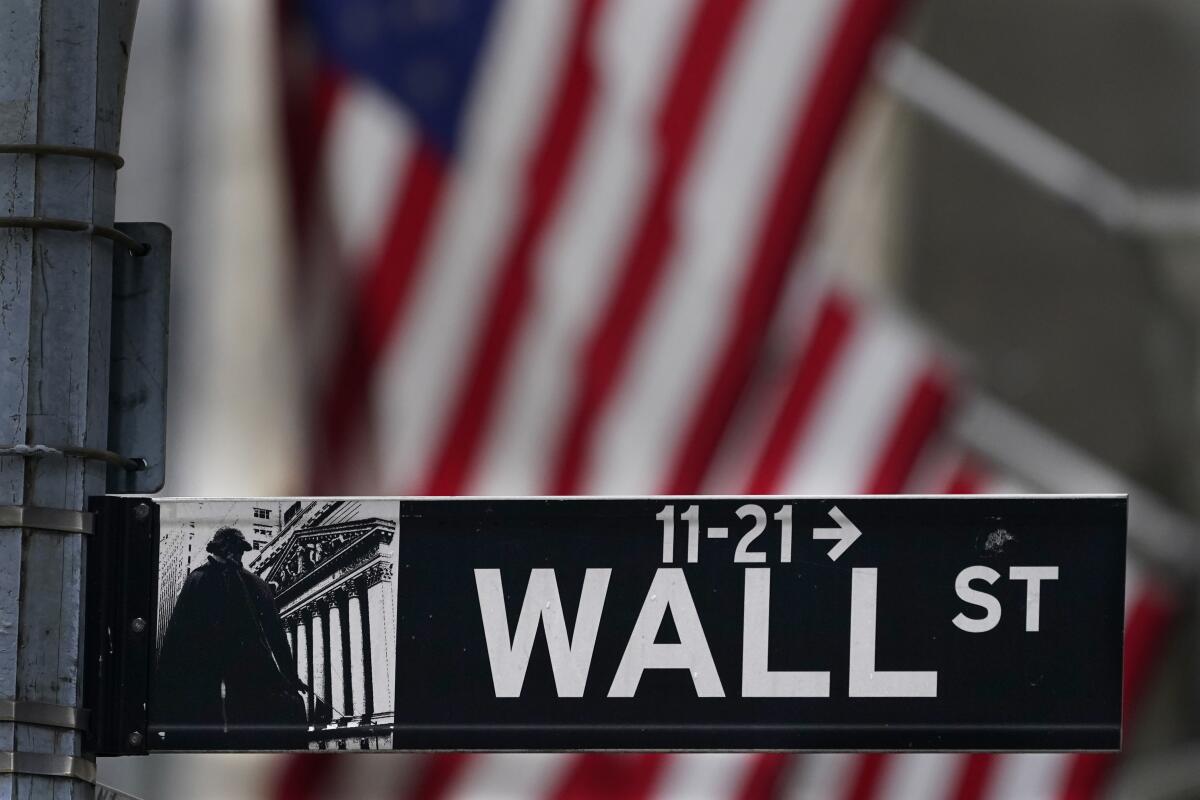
(846, 533)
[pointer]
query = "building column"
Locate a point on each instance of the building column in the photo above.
(382, 614)
(320, 685)
(303, 648)
(289, 626)
(337, 694)
(294, 631)
(347, 660)
(368, 645)
(357, 659)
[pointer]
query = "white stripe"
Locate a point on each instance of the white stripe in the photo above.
(574, 268)
(720, 213)
(509, 776)
(422, 367)
(920, 776)
(820, 777)
(858, 407)
(1034, 776)
(369, 145)
(703, 775)
(1007, 484)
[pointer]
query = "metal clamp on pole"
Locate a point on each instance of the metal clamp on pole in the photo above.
(48, 764)
(62, 150)
(90, 453)
(44, 519)
(49, 715)
(77, 226)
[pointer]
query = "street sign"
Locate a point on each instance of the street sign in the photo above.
(654, 623)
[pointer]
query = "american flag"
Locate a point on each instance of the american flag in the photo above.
(555, 247)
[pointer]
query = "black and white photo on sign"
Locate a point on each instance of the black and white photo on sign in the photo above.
(276, 625)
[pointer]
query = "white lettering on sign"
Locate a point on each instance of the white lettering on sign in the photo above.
(668, 590)
(845, 534)
(570, 658)
(1033, 596)
(571, 653)
(990, 605)
(743, 554)
(757, 679)
(1033, 590)
(865, 680)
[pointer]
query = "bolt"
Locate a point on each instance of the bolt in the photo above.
(138, 625)
(141, 512)
(135, 739)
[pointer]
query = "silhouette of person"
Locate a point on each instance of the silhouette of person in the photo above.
(226, 678)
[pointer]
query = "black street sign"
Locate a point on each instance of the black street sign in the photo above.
(749, 623)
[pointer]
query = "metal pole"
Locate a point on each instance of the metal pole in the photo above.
(1044, 160)
(62, 70)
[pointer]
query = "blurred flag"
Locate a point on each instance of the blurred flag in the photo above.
(540, 240)
(550, 247)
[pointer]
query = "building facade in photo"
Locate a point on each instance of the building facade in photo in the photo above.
(331, 566)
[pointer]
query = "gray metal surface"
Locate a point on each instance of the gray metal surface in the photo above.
(62, 65)
(45, 714)
(48, 765)
(46, 519)
(138, 377)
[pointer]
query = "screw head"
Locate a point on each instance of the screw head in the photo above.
(141, 512)
(138, 625)
(135, 739)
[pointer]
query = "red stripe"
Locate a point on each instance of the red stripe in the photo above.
(378, 308)
(1144, 634)
(641, 269)
(868, 776)
(833, 327)
(306, 124)
(597, 776)
(549, 169)
(975, 776)
(764, 778)
(815, 130)
(310, 87)
(304, 776)
(923, 412)
(437, 775)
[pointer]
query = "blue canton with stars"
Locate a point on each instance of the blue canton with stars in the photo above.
(424, 52)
